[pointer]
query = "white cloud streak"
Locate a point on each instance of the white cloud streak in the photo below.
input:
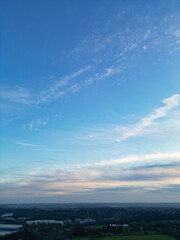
(145, 126)
(170, 103)
(29, 144)
(144, 158)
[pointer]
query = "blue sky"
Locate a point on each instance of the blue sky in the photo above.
(90, 101)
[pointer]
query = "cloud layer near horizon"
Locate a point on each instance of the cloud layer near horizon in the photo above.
(154, 172)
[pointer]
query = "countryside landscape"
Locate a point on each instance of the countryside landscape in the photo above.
(89, 119)
(93, 221)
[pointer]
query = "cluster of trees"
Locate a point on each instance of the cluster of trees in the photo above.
(103, 214)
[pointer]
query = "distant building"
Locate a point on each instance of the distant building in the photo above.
(125, 225)
(22, 218)
(118, 225)
(67, 221)
(36, 222)
(115, 225)
(87, 220)
(78, 219)
(59, 222)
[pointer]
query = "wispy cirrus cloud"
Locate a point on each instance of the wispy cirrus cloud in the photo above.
(29, 144)
(36, 147)
(108, 53)
(56, 90)
(60, 87)
(16, 94)
(36, 123)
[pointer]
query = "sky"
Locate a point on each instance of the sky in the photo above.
(89, 101)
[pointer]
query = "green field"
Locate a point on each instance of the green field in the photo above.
(138, 237)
